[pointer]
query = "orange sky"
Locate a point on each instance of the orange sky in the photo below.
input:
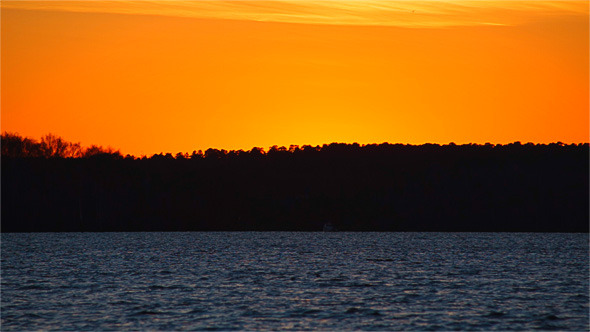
(167, 76)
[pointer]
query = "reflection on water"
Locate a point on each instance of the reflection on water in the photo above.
(298, 281)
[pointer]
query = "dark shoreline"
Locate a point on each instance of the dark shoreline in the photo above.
(320, 231)
(386, 187)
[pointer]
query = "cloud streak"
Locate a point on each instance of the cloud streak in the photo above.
(411, 14)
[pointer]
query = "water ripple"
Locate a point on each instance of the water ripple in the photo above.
(294, 281)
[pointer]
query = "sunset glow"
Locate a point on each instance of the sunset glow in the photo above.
(167, 76)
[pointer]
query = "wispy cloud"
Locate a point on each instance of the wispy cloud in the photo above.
(441, 13)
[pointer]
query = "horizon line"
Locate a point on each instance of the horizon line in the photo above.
(281, 148)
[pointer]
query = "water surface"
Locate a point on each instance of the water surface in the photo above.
(300, 281)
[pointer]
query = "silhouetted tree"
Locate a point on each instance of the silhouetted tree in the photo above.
(54, 146)
(215, 154)
(15, 146)
(95, 151)
(381, 187)
(196, 154)
(51, 146)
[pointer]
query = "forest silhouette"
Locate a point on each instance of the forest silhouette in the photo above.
(55, 185)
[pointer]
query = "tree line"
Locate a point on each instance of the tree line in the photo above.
(53, 185)
(50, 146)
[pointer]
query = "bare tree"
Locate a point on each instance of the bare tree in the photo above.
(54, 146)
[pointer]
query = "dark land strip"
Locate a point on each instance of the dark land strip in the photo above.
(385, 187)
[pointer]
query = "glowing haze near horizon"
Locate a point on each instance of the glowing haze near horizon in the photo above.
(168, 76)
